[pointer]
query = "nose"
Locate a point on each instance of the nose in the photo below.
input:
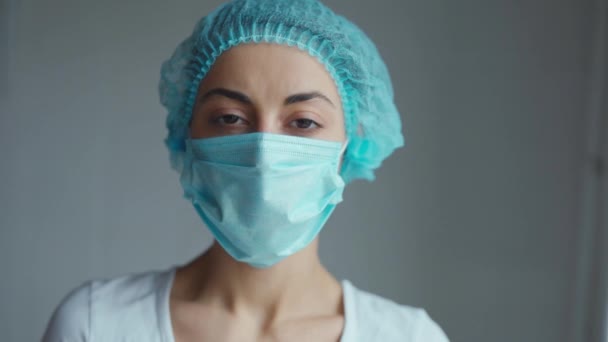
(265, 124)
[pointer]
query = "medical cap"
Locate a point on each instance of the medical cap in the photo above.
(372, 121)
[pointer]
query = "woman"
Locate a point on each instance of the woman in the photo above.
(273, 107)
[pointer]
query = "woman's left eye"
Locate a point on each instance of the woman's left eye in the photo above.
(304, 124)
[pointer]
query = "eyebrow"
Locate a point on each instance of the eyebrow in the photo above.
(240, 97)
(307, 97)
(231, 94)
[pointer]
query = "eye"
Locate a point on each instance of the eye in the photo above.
(304, 124)
(229, 119)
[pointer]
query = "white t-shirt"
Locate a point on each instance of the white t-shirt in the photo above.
(135, 308)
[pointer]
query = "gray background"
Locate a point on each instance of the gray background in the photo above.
(478, 219)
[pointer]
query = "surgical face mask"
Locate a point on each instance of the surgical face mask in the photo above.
(263, 196)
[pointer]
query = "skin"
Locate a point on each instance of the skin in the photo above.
(275, 89)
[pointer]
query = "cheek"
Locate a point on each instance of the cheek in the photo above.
(199, 128)
(341, 131)
(335, 129)
(194, 127)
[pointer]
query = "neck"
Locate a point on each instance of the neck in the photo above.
(298, 285)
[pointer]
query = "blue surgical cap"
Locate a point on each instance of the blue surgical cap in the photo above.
(372, 121)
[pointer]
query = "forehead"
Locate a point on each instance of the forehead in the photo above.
(271, 68)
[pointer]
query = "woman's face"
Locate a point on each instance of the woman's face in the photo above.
(268, 88)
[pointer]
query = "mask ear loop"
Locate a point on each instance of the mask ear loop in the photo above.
(341, 155)
(343, 149)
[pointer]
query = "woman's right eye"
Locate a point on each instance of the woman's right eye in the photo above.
(230, 119)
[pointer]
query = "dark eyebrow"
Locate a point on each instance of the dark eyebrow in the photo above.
(305, 97)
(231, 94)
(238, 96)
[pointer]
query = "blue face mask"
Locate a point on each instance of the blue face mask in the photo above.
(263, 196)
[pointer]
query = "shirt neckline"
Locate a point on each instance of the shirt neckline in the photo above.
(164, 311)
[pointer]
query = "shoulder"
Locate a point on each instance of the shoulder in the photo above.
(100, 306)
(382, 319)
(71, 319)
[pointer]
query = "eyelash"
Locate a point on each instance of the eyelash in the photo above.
(223, 118)
(311, 124)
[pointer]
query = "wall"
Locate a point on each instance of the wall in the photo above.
(475, 220)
